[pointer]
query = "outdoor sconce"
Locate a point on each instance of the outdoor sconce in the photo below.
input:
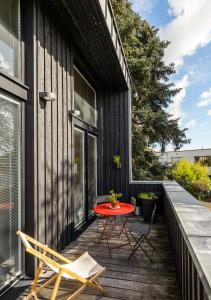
(47, 96)
(74, 113)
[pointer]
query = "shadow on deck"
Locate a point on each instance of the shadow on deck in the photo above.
(138, 279)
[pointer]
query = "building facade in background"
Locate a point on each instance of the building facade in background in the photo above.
(198, 155)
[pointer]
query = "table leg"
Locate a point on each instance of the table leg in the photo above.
(124, 229)
(104, 234)
(104, 230)
(124, 222)
(113, 225)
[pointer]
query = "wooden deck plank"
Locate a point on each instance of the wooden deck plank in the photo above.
(134, 280)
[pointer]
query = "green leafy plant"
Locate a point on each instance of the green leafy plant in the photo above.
(147, 196)
(117, 161)
(114, 198)
(194, 177)
(202, 186)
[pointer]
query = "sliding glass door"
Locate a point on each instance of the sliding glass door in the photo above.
(79, 180)
(85, 148)
(85, 170)
(10, 188)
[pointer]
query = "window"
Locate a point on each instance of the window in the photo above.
(204, 160)
(10, 188)
(85, 99)
(10, 37)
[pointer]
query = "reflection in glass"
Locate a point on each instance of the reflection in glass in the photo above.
(92, 171)
(10, 188)
(84, 99)
(10, 37)
(79, 196)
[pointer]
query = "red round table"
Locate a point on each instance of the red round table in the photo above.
(106, 210)
(110, 215)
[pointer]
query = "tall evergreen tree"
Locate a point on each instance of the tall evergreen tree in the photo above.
(152, 125)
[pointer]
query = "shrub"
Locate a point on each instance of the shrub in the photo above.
(193, 177)
(147, 196)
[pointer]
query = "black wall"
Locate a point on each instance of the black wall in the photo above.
(49, 191)
(48, 156)
(114, 139)
(113, 124)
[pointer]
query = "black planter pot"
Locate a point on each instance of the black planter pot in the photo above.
(147, 208)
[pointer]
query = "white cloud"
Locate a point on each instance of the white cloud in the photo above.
(189, 29)
(209, 112)
(205, 98)
(143, 6)
(205, 102)
(175, 108)
(191, 124)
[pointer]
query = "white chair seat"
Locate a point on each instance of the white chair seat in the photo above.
(85, 266)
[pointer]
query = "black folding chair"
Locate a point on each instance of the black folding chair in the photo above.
(143, 232)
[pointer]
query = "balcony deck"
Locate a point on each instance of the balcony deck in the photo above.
(138, 279)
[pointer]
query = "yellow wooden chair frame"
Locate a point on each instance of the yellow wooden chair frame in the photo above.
(44, 259)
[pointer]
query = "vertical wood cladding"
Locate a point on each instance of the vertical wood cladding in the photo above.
(49, 143)
(146, 187)
(113, 110)
(51, 134)
(113, 124)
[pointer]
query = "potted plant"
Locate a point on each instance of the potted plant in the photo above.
(117, 161)
(114, 199)
(148, 201)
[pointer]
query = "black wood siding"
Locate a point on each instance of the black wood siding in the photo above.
(49, 131)
(113, 110)
(113, 124)
(49, 67)
(136, 188)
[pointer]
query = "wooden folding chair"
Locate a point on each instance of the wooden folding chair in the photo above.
(84, 269)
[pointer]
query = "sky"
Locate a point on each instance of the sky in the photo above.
(187, 25)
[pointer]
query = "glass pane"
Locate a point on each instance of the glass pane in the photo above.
(79, 198)
(85, 100)
(92, 171)
(10, 188)
(10, 37)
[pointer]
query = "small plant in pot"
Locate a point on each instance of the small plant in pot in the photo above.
(114, 199)
(148, 201)
(117, 161)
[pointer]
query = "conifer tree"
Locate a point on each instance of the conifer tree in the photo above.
(151, 123)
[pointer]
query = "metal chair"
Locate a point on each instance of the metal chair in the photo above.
(143, 231)
(100, 200)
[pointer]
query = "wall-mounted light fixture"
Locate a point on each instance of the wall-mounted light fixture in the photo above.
(74, 113)
(47, 96)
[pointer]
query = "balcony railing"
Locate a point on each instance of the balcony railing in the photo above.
(189, 227)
